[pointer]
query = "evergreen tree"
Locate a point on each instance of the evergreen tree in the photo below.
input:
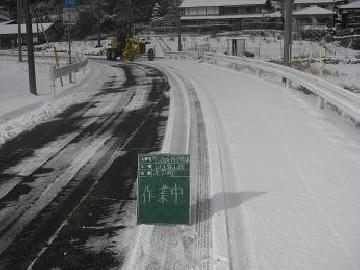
(171, 16)
(269, 6)
(156, 15)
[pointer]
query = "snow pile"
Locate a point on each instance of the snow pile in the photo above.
(344, 75)
(19, 109)
(14, 89)
(27, 121)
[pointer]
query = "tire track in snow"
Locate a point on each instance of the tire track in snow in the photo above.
(28, 165)
(180, 246)
(105, 131)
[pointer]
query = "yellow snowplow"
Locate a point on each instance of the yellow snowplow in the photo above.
(133, 49)
(130, 49)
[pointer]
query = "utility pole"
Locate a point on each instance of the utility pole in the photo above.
(69, 43)
(178, 26)
(36, 12)
(30, 48)
(288, 30)
(19, 29)
(98, 9)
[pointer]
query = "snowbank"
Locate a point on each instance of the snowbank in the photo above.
(20, 110)
(267, 47)
(292, 197)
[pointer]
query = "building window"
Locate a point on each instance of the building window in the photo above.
(192, 11)
(212, 10)
(249, 10)
(230, 10)
(201, 11)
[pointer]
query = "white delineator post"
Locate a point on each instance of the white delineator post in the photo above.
(320, 103)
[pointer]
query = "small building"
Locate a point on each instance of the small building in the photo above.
(326, 4)
(313, 17)
(350, 15)
(9, 32)
(234, 14)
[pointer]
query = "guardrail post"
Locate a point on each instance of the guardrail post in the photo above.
(286, 82)
(320, 103)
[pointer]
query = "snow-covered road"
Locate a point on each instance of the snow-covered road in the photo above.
(181, 246)
(284, 176)
(274, 180)
(67, 185)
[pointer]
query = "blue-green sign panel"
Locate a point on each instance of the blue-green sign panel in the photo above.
(163, 189)
(70, 3)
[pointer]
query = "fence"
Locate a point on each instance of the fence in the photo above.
(347, 103)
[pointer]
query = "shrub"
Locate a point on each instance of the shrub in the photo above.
(328, 38)
(249, 54)
(351, 42)
(313, 35)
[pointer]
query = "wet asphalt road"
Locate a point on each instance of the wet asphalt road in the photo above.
(67, 187)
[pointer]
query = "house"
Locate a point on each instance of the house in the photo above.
(233, 14)
(314, 14)
(350, 15)
(326, 4)
(313, 17)
(8, 34)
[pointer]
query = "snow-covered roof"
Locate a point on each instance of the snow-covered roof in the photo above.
(4, 17)
(7, 22)
(355, 4)
(220, 3)
(224, 17)
(8, 29)
(313, 10)
(313, 1)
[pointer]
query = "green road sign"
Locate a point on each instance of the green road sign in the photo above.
(163, 189)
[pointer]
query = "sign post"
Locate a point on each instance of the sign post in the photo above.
(69, 18)
(163, 189)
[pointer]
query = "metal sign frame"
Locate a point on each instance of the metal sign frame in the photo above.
(70, 16)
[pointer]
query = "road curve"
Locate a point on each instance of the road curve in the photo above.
(68, 186)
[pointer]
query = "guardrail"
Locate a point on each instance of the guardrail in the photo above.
(71, 70)
(347, 103)
(182, 54)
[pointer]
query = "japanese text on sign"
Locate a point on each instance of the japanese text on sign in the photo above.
(164, 189)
